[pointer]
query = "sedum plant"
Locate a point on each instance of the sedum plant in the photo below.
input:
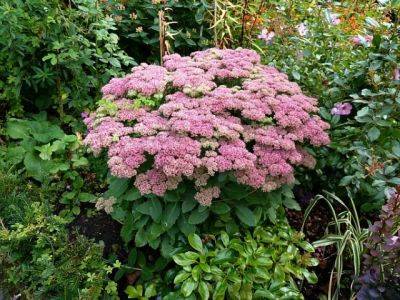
(264, 264)
(214, 112)
(213, 136)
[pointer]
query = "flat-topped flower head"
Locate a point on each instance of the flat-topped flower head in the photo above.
(196, 116)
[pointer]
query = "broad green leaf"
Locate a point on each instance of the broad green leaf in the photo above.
(150, 291)
(373, 134)
(346, 180)
(86, 197)
(114, 62)
(203, 290)
(296, 75)
(117, 187)
(310, 276)
(185, 227)
(220, 289)
(15, 155)
(181, 276)
(306, 246)
(127, 228)
(132, 257)
(220, 208)
(152, 208)
(36, 167)
(155, 231)
(245, 215)
(171, 214)
(183, 260)
(45, 132)
(188, 287)
(188, 204)
(225, 238)
(291, 203)
(17, 129)
(79, 162)
(195, 242)
(134, 292)
(197, 217)
(246, 291)
(45, 151)
(132, 194)
(140, 238)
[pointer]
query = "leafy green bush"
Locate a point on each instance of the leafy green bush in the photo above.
(329, 61)
(263, 264)
(56, 54)
(38, 257)
(41, 150)
(367, 146)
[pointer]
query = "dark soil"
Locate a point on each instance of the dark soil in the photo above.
(314, 230)
(100, 227)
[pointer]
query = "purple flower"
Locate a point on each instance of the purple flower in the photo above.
(392, 241)
(341, 109)
(266, 35)
(396, 74)
(302, 29)
(332, 18)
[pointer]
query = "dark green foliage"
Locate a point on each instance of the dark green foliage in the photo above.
(366, 145)
(56, 53)
(162, 222)
(41, 150)
(138, 26)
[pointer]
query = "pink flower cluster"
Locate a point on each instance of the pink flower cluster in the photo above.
(221, 111)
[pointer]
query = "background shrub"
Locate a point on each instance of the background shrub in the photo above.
(56, 54)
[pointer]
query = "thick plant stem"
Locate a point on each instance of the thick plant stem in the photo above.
(214, 25)
(161, 21)
(245, 6)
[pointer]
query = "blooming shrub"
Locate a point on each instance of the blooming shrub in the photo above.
(215, 111)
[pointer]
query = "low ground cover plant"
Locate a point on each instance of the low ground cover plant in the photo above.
(265, 264)
(38, 257)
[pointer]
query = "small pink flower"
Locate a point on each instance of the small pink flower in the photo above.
(335, 20)
(194, 135)
(362, 40)
(368, 38)
(356, 40)
(341, 109)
